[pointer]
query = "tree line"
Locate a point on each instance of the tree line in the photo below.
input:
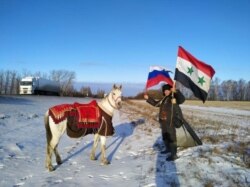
(10, 81)
(227, 90)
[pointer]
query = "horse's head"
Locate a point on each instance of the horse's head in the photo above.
(115, 97)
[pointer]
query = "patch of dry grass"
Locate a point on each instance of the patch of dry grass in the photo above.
(209, 130)
(222, 141)
(209, 184)
(238, 147)
(139, 109)
(243, 105)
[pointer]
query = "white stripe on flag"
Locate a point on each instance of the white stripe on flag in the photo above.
(183, 65)
(158, 68)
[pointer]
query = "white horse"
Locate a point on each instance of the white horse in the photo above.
(54, 131)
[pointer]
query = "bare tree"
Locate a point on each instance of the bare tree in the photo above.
(215, 89)
(100, 93)
(65, 79)
(7, 80)
(234, 90)
(41, 74)
(247, 92)
(241, 86)
(86, 92)
(13, 75)
(227, 90)
(18, 80)
(1, 81)
(26, 73)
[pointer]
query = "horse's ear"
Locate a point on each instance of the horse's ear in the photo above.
(120, 87)
(114, 86)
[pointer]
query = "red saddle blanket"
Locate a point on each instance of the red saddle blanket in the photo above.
(84, 115)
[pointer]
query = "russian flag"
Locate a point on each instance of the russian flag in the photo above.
(158, 74)
(193, 73)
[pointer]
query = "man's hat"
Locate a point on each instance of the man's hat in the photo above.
(166, 87)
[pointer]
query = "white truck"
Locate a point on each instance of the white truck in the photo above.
(37, 85)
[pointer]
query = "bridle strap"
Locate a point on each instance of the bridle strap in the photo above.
(115, 107)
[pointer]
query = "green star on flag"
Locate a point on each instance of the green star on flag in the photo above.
(201, 80)
(190, 70)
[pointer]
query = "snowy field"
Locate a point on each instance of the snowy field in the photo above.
(134, 150)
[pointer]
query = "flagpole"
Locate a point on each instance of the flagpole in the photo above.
(173, 91)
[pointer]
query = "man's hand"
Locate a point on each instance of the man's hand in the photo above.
(173, 90)
(146, 96)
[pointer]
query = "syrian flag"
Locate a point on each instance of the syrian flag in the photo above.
(193, 73)
(158, 74)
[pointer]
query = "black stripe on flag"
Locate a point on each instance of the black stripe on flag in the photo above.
(187, 82)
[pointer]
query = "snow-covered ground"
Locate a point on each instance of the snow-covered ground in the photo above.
(133, 150)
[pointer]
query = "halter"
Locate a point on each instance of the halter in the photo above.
(115, 107)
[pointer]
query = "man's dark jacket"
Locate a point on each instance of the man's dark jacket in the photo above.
(166, 117)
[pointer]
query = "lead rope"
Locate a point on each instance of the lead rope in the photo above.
(172, 109)
(173, 101)
(100, 126)
(172, 114)
(106, 129)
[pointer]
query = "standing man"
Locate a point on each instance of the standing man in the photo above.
(169, 110)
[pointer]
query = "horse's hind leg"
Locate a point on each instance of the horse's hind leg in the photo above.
(58, 158)
(48, 158)
(103, 150)
(53, 132)
(49, 149)
(52, 147)
(96, 140)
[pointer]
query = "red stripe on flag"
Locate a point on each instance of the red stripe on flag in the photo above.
(160, 78)
(207, 69)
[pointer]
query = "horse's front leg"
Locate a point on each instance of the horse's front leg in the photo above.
(103, 150)
(96, 140)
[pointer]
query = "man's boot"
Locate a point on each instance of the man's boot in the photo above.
(173, 150)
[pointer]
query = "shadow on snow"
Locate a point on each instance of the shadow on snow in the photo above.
(15, 100)
(165, 171)
(122, 131)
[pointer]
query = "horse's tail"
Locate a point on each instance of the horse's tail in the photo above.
(47, 127)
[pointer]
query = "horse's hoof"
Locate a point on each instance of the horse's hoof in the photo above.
(51, 168)
(93, 158)
(59, 162)
(106, 162)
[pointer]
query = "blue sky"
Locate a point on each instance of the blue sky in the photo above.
(117, 40)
